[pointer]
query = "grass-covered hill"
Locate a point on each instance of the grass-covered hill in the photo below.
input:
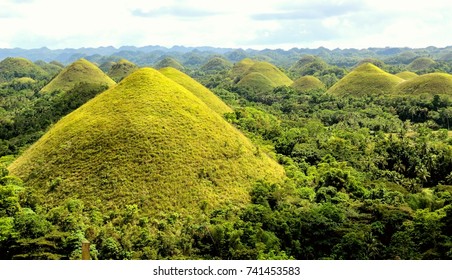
(121, 69)
(406, 75)
(366, 79)
(427, 84)
(51, 68)
(147, 141)
(307, 65)
(14, 67)
(421, 63)
(258, 76)
(81, 71)
(169, 62)
(240, 69)
(216, 64)
(308, 83)
(208, 97)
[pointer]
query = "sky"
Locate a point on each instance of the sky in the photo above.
(254, 24)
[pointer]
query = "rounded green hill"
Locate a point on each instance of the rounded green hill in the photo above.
(421, 63)
(240, 68)
(308, 65)
(81, 71)
(216, 64)
(429, 84)
(406, 75)
(256, 82)
(147, 141)
(307, 83)
(366, 79)
(14, 67)
(121, 69)
(169, 62)
(208, 97)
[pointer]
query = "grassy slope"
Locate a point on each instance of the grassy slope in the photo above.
(208, 97)
(169, 62)
(240, 69)
(421, 63)
(79, 71)
(13, 67)
(406, 75)
(430, 84)
(216, 64)
(256, 82)
(307, 83)
(366, 79)
(148, 141)
(272, 72)
(121, 69)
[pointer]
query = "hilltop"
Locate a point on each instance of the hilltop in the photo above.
(308, 83)
(169, 62)
(208, 97)
(430, 84)
(366, 79)
(406, 75)
(121, 69)
(81, 71)
(147, 141)
(259, 75)
(308, 65)
(216, 64)
(13, 67)
(421, 63)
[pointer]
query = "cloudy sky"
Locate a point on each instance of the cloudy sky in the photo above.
(231, 23)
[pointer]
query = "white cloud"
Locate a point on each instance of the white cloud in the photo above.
(233, 23)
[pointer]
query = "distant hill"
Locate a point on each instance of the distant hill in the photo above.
(150, 142)
(428, 84)
(259, 75)
(121, 69)
(308, 83)
(169, 62)
(366, 79)
(308, 65)
(216, 64)
(81, 71)
(406, 75)
(208, 97)
(421, 63)
(14, 67)
(51, 68)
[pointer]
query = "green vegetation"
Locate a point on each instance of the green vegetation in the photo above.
(365, 80)
(158, 167)
(308, 83)
(145, 142)
(11, 68)
(208, 97)
(427, 84)
(81, 71)
(216, 64)
(169, 62)
(406, 75)
(421, 63)
(121, 69)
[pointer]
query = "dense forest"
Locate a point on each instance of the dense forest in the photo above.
(363, 137)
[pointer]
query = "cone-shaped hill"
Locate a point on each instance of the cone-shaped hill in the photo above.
(216, 64)
(307, 83)
(169, 62)
(147, 141)
(308, 65)
(406, 75)
(366, 79)
(260, 75)
(81, 71)
(208, 97)
(121, 69)
(14, 67)
(429, 84)
(421, 63)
